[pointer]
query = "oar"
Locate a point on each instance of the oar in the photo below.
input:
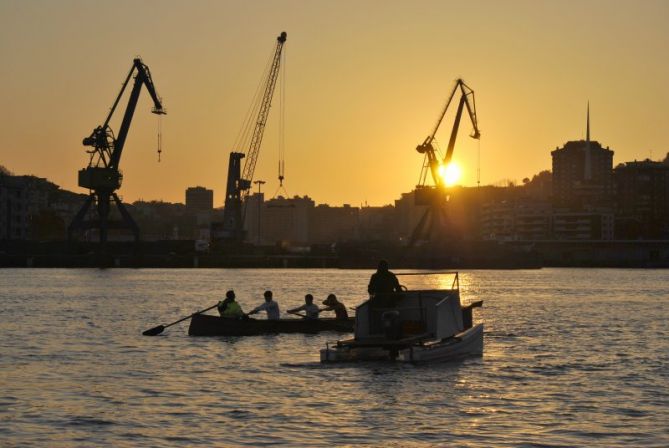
(159, 329)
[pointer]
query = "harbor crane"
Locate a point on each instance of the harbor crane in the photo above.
(103, 176)
(239, 179)
(435, 197)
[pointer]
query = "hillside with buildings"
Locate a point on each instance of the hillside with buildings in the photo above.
(583, 199)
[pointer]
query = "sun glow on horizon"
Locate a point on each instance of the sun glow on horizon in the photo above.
(450, 173)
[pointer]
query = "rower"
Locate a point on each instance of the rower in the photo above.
(309, 308)
(332, 304)
(271, 307)
(229, 308)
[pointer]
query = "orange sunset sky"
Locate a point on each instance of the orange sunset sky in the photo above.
(365, 82)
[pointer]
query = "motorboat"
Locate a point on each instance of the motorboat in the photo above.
(414, 326)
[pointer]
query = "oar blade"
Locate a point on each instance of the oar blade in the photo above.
(154, 331)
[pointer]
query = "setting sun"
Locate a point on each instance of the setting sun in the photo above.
(450, 173)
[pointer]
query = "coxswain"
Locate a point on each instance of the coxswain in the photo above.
(332, 304)
(271, 307)
(229, 308)
(311, 310)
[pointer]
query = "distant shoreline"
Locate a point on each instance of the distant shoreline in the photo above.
(450, 255)
(289, 262)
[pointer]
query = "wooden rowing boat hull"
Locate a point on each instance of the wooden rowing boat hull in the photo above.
(207, 325)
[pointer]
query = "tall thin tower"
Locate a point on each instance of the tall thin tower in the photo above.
(588, 156)
(587, 129)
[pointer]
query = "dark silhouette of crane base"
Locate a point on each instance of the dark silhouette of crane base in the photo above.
(103, 201)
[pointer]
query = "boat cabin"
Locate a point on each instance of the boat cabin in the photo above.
(431, 313)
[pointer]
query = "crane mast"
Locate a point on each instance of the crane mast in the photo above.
(102, 176)
(239, 179)
(435, 197)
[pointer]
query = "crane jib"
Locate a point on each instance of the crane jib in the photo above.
(240, 180)
(426, 147)
(265, 105)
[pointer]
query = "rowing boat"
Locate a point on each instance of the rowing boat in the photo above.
(207, 325)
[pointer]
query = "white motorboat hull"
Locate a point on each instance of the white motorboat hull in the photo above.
(467, 343)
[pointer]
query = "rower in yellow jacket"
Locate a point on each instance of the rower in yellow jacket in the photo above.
(229, 308)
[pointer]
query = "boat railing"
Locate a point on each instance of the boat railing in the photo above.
(455, 284)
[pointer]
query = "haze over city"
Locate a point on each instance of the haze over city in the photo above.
(365, 82)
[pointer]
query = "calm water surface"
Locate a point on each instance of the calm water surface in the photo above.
(572, 358)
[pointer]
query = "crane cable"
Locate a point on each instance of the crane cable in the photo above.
(282, 127)
(243, 140)
(160, 134)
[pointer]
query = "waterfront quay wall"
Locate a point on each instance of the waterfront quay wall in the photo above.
(613, 253)
(162, 254)
(474, 255)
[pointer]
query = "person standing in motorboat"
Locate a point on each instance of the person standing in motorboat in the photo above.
(384, 289)
(332, 304)
(271, 307)
(229, 308)
(311, 310)
(383, 282)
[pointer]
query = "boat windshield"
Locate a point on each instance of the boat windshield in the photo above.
(422, 280)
